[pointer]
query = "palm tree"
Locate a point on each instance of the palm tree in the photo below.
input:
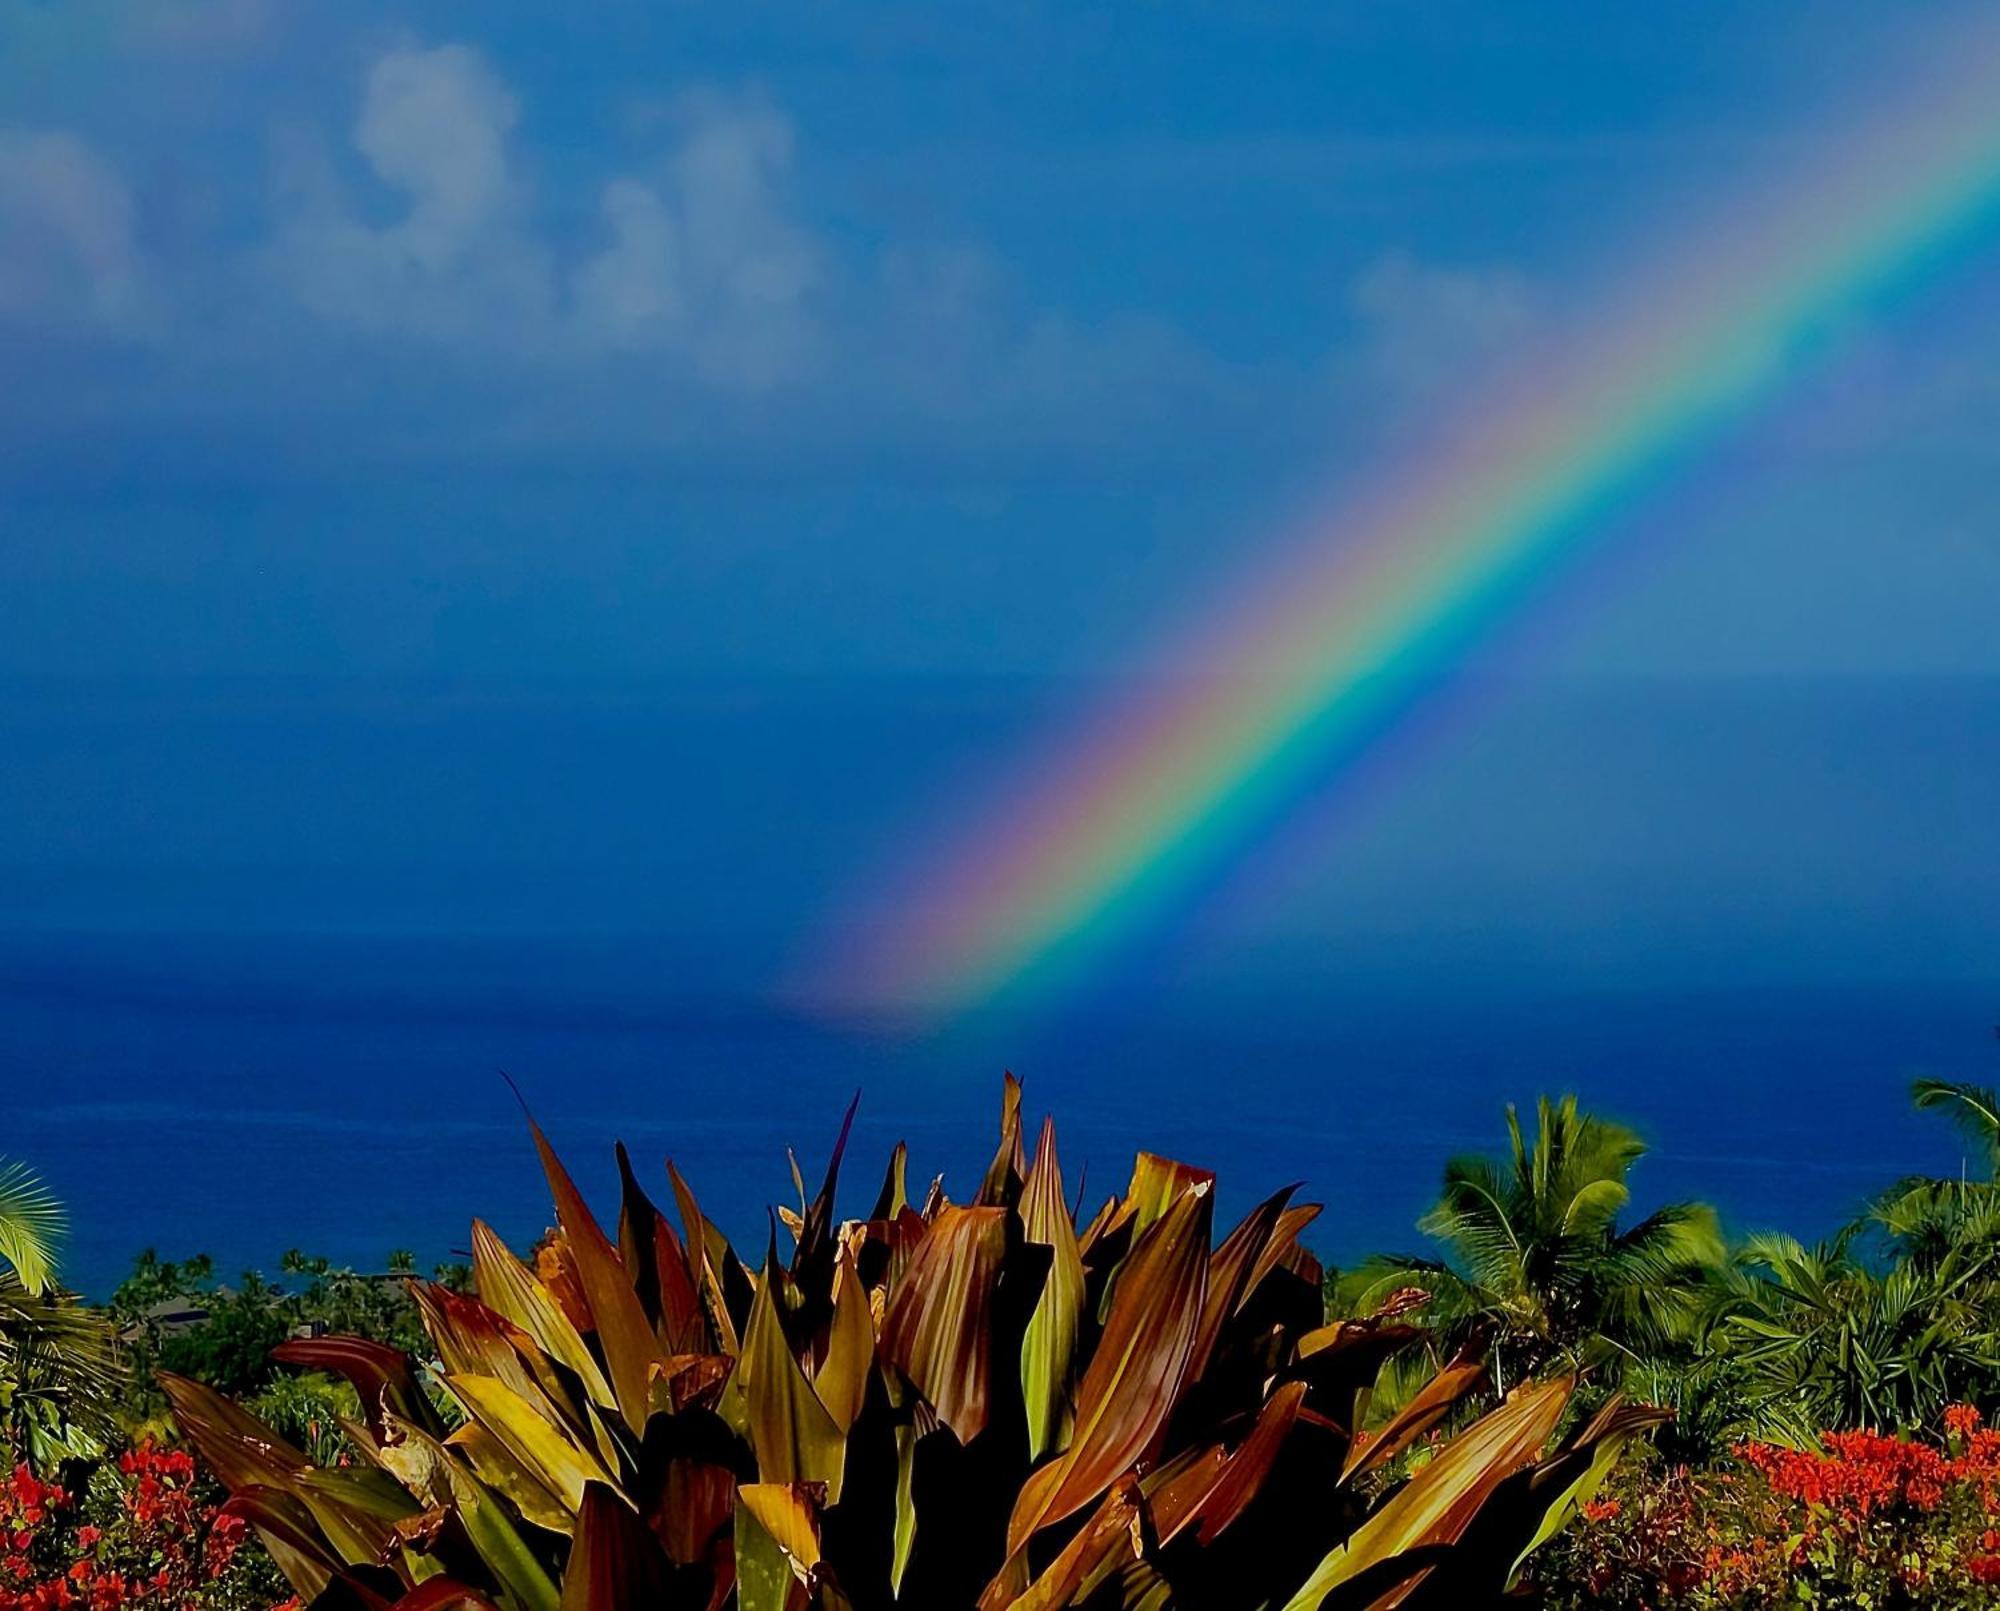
(1975, 1109)
(1536, 1262)
(59, 1369)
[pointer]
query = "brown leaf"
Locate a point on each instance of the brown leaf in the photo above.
(623, 1331)
(615, 1564)
(937, 1330)
(1134, 1378)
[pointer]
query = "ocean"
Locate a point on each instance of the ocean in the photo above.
(265, 950)
(345, 1096)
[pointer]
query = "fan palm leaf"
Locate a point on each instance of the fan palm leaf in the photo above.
(31, 1226)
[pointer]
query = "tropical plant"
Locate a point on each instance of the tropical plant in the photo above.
(1824, 1336)
(1885, 1324)
(1537, 1262)
(942, 1405)
(59, 1370)
(1975, 1109)
(144, 1530)
(1852, 1519)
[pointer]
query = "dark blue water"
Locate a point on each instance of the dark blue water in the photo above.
(342, 1095)
(263, 949)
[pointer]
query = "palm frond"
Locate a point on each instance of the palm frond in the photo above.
(1975, 1109)
(31, 1226)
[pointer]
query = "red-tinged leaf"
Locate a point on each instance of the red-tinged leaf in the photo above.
(691, 1381)
(511, 1289)
(623, 1331)
(887, 1246)
(290, 1534)
(424, 1467)
(555, 1268)
(1050, 1342)
(1231, 1273)
(615, 1564)
(812, 1263)
(1341, 1362)
(380, 1375)
(1116, 1529)
(347, 1592)
(444, 1594)
(1004, 1175)
(1133, 1382)
(1559, 1487)
(1426, 1409)
(1243, 1478)
(703, 1265)
(1212, 1487)
(1438, 1503)
(658, 1264)
(1292, 1254)
(697, 1499)
(240, 1449)
(476, 1340)
(1157, 1184)
(937, 1330)
(1100, 1226)
(1283, 1248)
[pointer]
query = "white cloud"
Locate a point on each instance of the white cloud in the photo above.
(68, 247)
(457, 262)
(709, 257)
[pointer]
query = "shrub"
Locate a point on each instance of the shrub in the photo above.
(141, 1529)
(942, 1405)
(1860, 1520)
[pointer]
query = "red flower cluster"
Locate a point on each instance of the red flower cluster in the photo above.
(1861, 1519)
(1861, 1473)
(159, 1542)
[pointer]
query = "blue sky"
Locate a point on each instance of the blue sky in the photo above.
(433, 360)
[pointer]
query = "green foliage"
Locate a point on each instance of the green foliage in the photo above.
(140, 1527)
(1885, 1324)
(230, 1345)
(60, 1374)
(1856, 1520)
(1824, 1336)
(1537, 1267)
(962, 1404)
(31, 1227)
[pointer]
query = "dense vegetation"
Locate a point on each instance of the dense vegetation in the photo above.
(995, 1403)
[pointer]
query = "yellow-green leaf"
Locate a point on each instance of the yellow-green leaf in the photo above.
(1047, 1347)
(510, 1287)
(546, 1453)
(1435, 1506)
(789, 1429)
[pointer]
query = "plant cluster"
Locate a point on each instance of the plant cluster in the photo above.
(143, 1529)
(944, 1404)
(1861, 1519)
(1886, 1324)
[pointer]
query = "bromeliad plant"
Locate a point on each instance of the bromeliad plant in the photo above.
(978, 1404)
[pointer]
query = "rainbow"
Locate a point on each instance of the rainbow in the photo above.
(1337, 641)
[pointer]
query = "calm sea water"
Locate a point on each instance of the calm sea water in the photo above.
(1740, 916)
(239, 1099)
